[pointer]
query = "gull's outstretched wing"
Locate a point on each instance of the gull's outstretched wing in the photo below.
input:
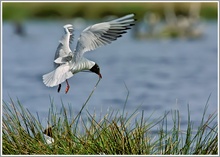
(102, 34)
(63, 52)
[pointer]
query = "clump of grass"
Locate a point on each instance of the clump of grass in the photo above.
(114, 133)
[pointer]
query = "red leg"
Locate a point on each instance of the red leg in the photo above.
(67, 86)
(59, 87)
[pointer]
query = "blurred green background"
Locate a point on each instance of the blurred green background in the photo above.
(94, 10)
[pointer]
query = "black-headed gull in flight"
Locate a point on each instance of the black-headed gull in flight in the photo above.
(68, 63)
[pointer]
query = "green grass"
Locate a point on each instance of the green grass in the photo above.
(94, 10)
(117, 132)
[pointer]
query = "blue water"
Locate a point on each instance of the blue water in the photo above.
(160, 74)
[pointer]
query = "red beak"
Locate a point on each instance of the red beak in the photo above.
(100, 76)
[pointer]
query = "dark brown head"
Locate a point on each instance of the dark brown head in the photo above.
(96, 70)
(48, 131)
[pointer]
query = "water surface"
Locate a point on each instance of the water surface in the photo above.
(160, 74)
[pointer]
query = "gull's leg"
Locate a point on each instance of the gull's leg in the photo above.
(59, 87)
(67, 86)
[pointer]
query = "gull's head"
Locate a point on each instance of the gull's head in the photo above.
(96, 70)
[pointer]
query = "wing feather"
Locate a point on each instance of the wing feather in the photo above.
(63, 49)
(101, 34)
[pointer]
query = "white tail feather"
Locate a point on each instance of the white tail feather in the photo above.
(58, 76)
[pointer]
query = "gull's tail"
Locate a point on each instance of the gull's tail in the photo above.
(58, 76)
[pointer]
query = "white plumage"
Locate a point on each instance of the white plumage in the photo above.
(67, 63)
